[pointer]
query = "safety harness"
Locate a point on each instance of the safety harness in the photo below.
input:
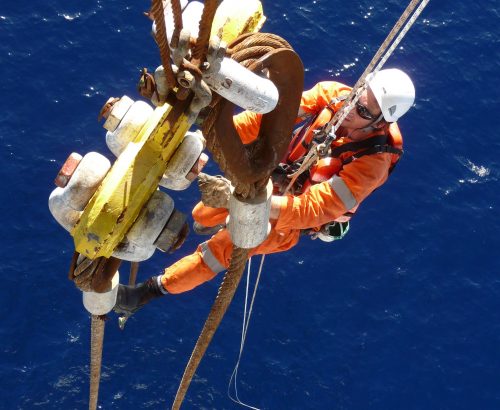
(376, 144)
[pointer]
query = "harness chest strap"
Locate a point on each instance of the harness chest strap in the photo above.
(376, 149)
(374, 145)
(371, 146)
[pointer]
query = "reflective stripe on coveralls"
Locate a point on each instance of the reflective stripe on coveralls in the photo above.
(343, 191)
(210, 259)
(193, 270)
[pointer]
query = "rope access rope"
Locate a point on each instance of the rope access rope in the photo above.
(402, 26)
(246, 322)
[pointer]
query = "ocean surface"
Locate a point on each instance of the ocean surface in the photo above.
(401, 314)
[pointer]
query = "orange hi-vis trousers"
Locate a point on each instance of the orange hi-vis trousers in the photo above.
(214, 255)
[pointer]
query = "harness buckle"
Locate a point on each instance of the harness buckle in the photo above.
(332, 231)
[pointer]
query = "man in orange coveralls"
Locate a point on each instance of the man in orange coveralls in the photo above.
(367, 146)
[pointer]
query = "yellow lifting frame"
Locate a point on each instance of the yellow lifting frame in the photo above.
(136, 173)
(128, 185)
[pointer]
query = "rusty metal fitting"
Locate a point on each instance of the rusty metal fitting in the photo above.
(107, 107)
(221, 52)
(197, 167)
(186, 79)
(215, 54)
(194, 69)
(182, 93)
(147, 84)
(182, 49)
(203, 97)
(213, 48)
(67, 170)
(115, 109)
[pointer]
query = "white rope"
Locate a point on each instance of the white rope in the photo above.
(244, 330)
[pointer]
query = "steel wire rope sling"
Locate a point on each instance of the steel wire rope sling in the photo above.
(192, 94)
(96, 274)
(248, 168)
(328, 131)
(92, 267)
(238, 258)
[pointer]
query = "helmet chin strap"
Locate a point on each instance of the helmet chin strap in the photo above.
(369, 127)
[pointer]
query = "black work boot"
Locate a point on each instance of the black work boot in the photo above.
(130, 299)
(207, 230)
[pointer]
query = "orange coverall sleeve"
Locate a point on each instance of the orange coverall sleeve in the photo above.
(322, 204)
(318, 97)
(247, 123)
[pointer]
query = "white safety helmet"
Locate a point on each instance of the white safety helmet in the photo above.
(394, 92)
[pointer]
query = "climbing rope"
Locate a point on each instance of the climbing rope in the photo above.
(224, 296)
(246, 322)
(404, 23)
(400, 29)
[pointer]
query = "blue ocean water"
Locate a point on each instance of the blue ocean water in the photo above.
(403, 313)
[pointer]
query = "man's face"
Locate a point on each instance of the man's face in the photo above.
(367, 106)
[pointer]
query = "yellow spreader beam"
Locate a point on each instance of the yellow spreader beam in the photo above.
(136, 173)
(129, 183)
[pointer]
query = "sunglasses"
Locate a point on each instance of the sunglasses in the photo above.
(363, 112)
